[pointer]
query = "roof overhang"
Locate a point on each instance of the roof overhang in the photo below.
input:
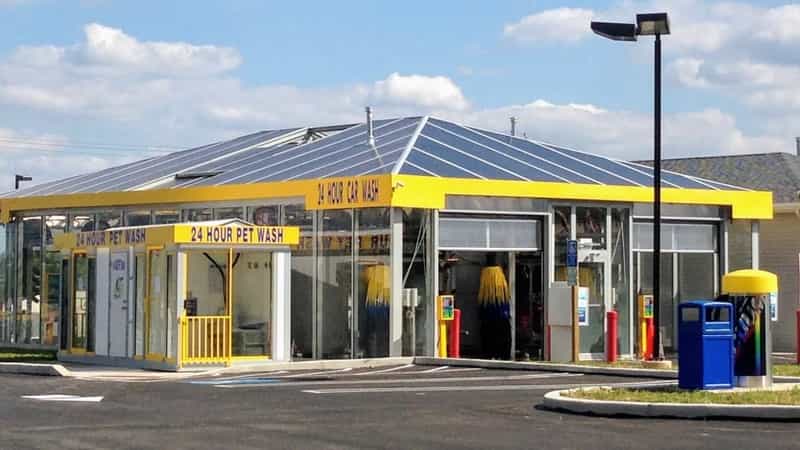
(399, 191)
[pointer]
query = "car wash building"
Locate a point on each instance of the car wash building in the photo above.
(334, 242)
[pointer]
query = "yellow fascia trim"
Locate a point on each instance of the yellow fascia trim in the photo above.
(329, 193)
(397, 190)
(416, 191)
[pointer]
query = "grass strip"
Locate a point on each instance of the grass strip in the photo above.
(26, 355)
(675, 395)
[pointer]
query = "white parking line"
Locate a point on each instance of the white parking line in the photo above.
(63, 398)
(435, 369)
(278, 383)
(492, 387)
(391, 369)
(461, 369)
(312, 374)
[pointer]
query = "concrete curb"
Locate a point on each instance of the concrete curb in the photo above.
(51, 370)
(550, 367)
(555, 401)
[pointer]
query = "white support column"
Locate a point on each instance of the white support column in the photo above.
(754, 232)
(102, 324)
(396, 303)
(281, 306)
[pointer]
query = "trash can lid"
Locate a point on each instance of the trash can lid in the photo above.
(749, 282)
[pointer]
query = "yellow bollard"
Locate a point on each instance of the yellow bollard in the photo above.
(442, 339)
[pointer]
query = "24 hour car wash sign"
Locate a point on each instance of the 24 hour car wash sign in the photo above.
(352, 192)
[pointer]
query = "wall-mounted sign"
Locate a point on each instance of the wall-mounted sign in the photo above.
(183, 233)
(351, 192)
(583, 306)
(447, 305)
(645, 306)
(773, 306)
(203, 234)
(572, 262)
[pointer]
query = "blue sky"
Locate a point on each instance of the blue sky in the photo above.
(86, 84)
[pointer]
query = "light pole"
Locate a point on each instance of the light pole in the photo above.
(654, 24)
(20, 178)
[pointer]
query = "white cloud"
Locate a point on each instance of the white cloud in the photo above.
(429, 92)
(110, 51)
(111, 47)
(112, 80)
(552, 25)
(625, 134)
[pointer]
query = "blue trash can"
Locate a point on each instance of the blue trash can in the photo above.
(705, 331)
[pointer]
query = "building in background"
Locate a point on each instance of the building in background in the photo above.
(778, 245)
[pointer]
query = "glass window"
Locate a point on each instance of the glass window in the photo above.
(265, 215)
(8, 307)
(252, 303)
(198, 215)
(3, 285)
(141, 279)
(667, 308)
(157, 302)
(82, 297)
(620, 280)
(334, 283)
(53, 285)
(170, 318)
(302, 281)
(29, 304)
(82, 222)
(462, 233)
(108, 220)
(207, 278)
(562, 223)
(166, 217)
(590, 226)
(418, 309)
(137, 218)
(229, 213)
(54, 226)
(696, 276)
(374, 282)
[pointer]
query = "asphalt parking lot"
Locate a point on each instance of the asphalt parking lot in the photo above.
(389, 407)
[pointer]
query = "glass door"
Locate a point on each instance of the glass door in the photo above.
(592, 279)
(592, 225)
(252, 303)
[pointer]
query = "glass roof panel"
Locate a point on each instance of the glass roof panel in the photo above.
(530, 154)
(322, 148)
(496, 153)
(319, 163)
(337, 165)
(576, 171)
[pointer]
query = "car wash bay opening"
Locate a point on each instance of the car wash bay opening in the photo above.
(105, 266)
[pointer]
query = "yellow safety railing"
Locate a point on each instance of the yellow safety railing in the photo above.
(206, 340)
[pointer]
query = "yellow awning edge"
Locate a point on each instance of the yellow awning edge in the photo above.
(395, 190)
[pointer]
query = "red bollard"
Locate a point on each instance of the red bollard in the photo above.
(651, 331)
(611, 336)
(454, 335)
(797, 313)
